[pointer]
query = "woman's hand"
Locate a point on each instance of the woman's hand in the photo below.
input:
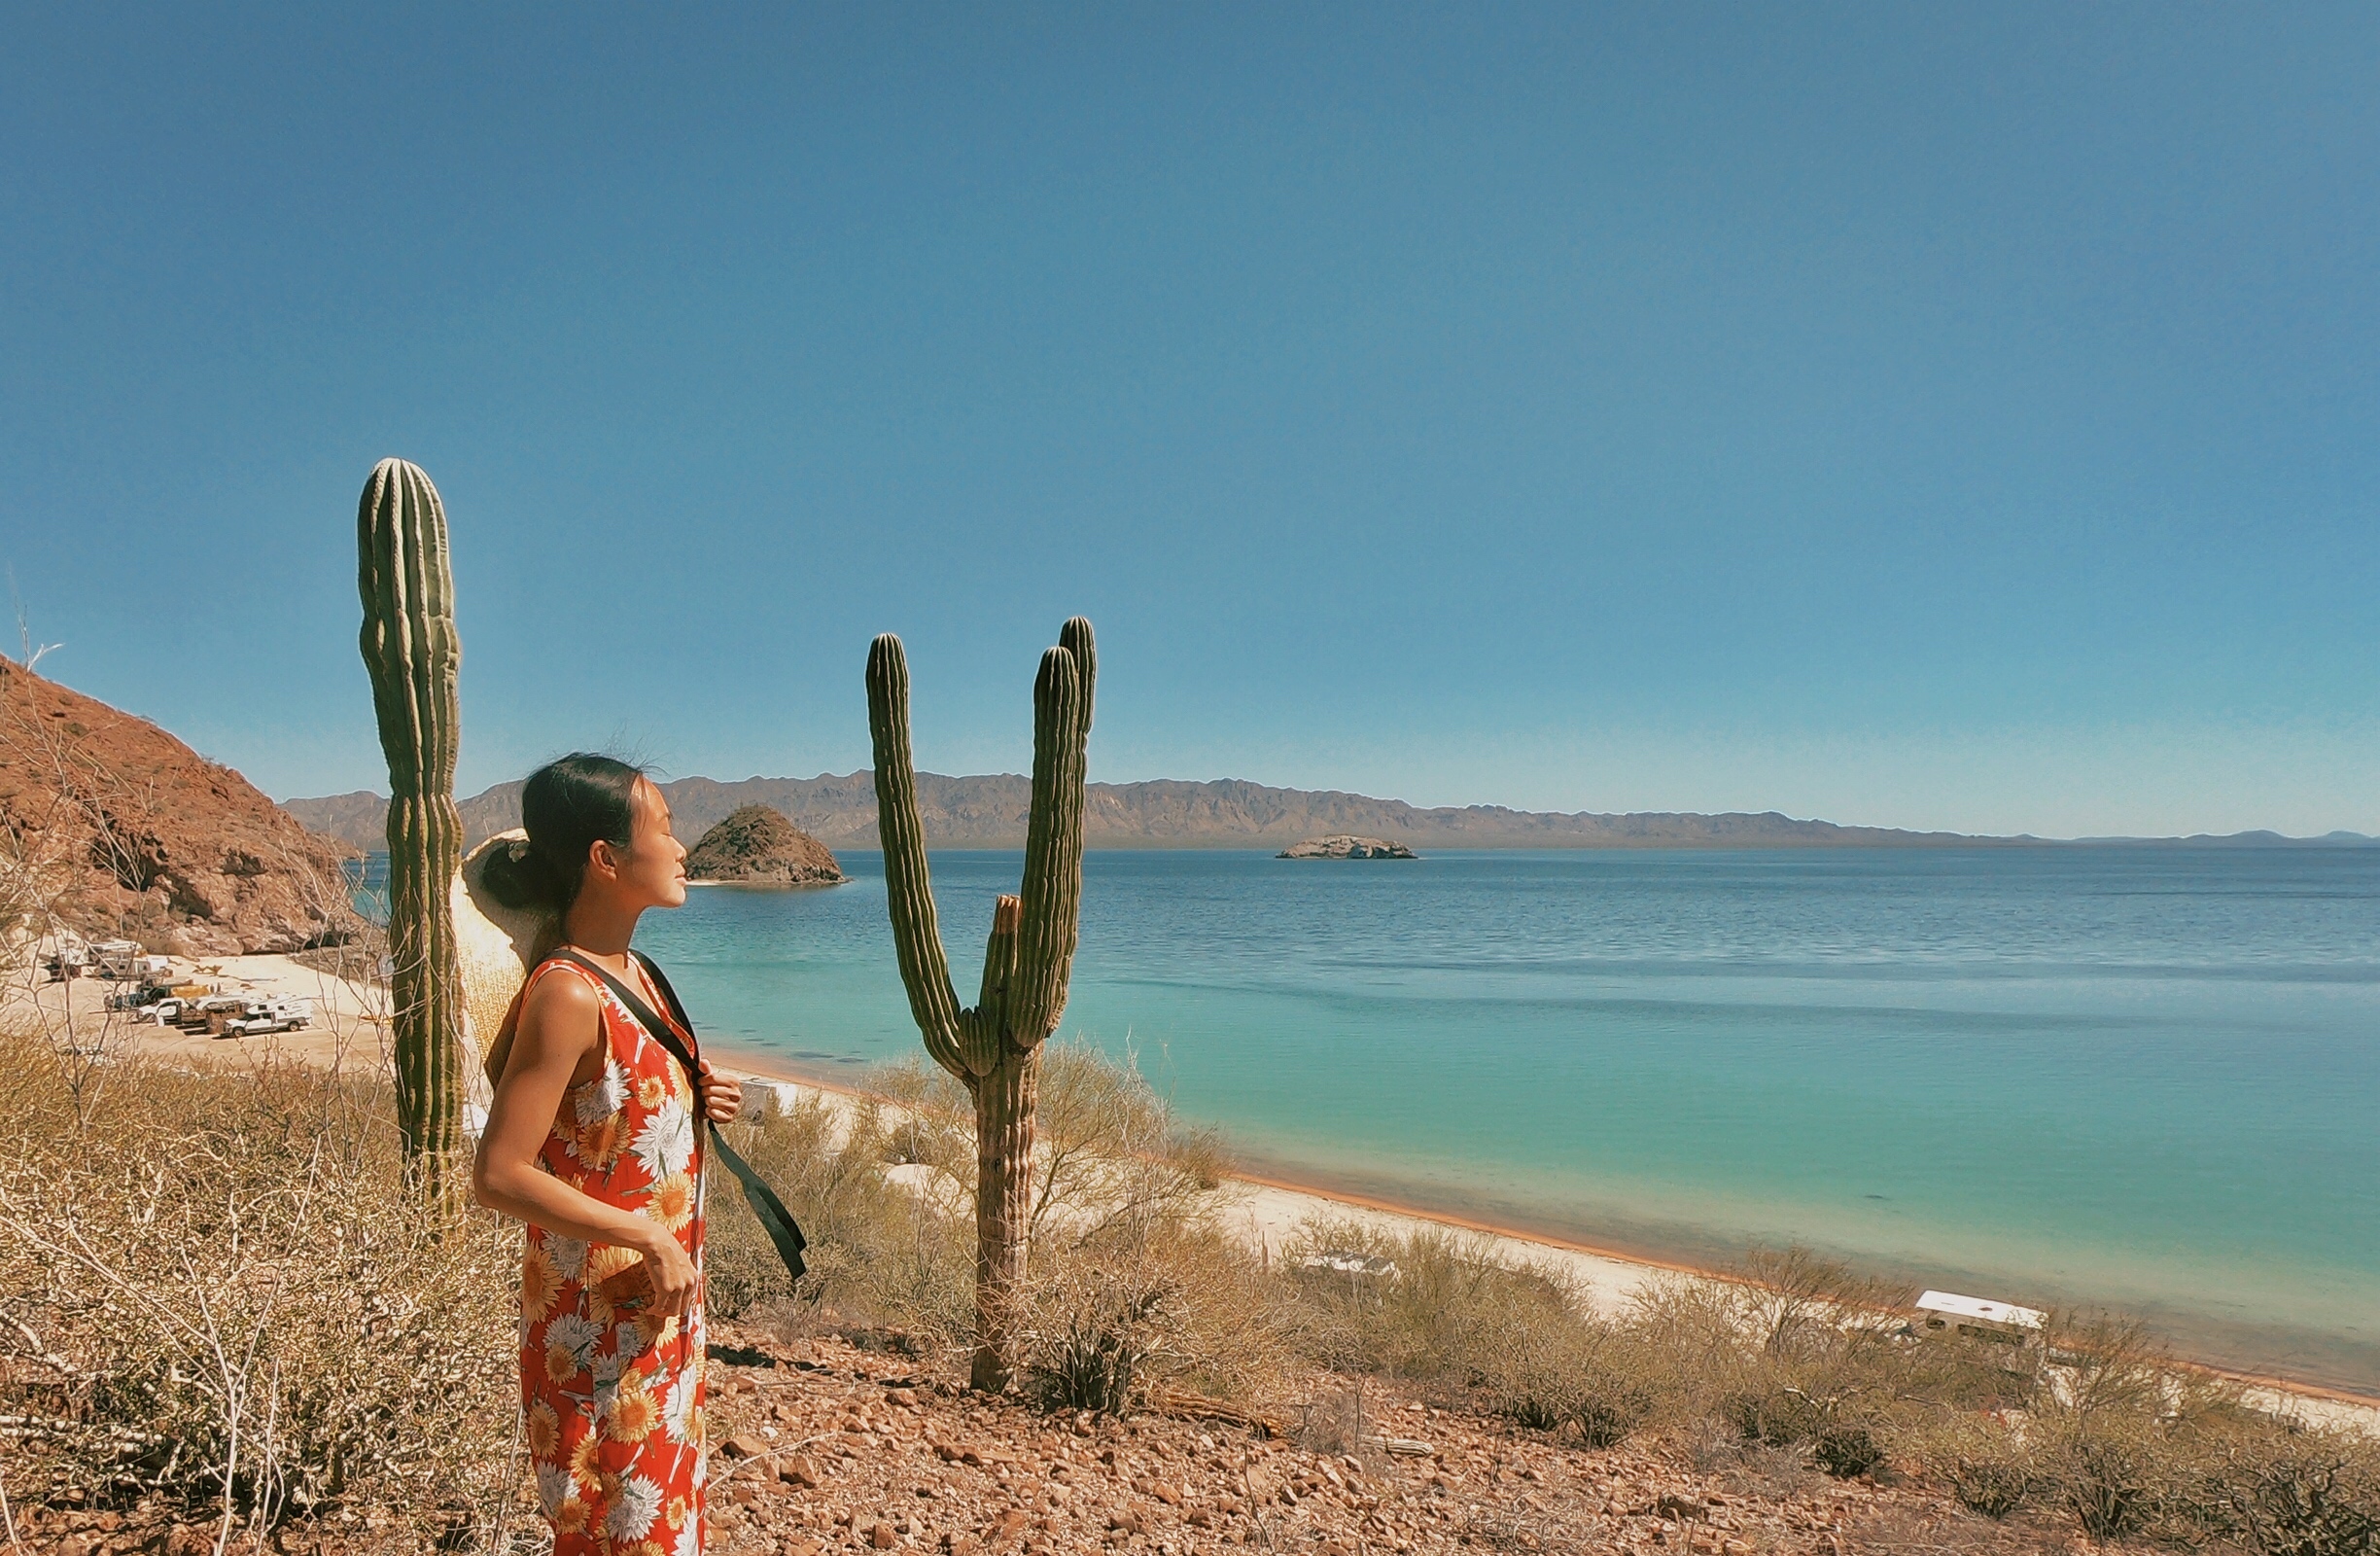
(722, 1096)
(668, 1271)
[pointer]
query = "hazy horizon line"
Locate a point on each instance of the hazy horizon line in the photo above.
(2335, 837)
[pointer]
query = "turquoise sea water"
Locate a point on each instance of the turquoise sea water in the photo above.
(2145, 1076)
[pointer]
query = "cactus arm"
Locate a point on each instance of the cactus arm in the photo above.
(412, 653)
(917, 935)
(1053, 851)
(986, 1026)
(1075, 638)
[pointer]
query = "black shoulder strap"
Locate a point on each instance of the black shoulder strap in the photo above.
(659, 1030)
(774, 1219)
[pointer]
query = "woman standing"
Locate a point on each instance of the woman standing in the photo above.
(592, 1139)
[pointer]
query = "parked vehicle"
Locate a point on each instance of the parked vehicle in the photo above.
(113, 959)
(140, 996)
(283, 1012)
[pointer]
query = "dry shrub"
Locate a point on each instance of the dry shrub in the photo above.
(2108, 1364)
(1987, 1464)
(1795, 1353)
(218, 1291)
(2134, 1447)
(1431, 1305)
(1420, 1314)
(1546, 1364)
(1095, 1333)
(1130, 1284)
(1795, 1302)
(1101, 1325)
(2282, 1493)
(1798, 1353)
(878, 1254)
(2110, 1429)
(2107, 1472)
(1108, 1149)
(1847, 1448)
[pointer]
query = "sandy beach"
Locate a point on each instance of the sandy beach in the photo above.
(351, 1027)
(350, 1022)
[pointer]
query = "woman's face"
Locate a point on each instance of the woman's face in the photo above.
(653, 872)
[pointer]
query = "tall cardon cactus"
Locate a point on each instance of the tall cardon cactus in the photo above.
(994, 1046)
(412, 650)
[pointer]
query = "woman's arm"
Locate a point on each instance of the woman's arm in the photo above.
(560, 1025)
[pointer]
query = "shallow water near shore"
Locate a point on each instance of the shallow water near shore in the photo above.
(2143, 1076)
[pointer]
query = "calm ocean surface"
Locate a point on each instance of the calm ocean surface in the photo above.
(2144, 1077)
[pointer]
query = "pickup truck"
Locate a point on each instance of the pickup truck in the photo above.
(140, 997)
(283, 1012)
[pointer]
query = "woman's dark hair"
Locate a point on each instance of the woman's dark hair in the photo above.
(569, 806)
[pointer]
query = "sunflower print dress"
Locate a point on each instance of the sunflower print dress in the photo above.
(612, 1395)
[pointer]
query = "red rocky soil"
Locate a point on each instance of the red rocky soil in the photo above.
(821, 1446)
(134, 833)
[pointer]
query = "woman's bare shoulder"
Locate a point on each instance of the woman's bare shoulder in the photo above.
(561, 1002)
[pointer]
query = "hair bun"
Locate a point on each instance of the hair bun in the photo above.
(520, 877)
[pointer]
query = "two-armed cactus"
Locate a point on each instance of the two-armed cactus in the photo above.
(412, 650)
(994, 1046)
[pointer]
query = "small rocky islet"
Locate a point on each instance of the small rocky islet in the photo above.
(757, 846)
(1342, 845)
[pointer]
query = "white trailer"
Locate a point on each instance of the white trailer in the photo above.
(1982, 1319)
(283, 1012)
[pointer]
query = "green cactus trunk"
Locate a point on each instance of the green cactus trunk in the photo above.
(994, 1046)
(412, 652)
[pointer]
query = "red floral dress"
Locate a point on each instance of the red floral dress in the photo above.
(612, 1395)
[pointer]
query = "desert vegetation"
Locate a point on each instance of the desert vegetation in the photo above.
(223, 1313)
(993, 1048)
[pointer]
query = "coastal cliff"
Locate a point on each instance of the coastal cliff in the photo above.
(116, 828)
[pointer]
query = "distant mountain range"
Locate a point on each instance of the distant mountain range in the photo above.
(989, 811)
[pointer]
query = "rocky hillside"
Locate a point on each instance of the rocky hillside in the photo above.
(118, 829)
(756, 846)
(819, 1445)
(823, 1447)
(989, 811)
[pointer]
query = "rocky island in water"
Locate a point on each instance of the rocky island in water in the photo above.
(756, 846)
(1340, 845)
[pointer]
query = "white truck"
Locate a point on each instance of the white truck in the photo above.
(281, 1013)
(149, 991)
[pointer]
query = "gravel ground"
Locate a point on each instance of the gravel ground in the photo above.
(825, 1447)
(820, 1445)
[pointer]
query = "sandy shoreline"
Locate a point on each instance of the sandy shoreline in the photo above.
(351, 1027)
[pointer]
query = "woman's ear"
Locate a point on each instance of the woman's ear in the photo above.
(603, 858)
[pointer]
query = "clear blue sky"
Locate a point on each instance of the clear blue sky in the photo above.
(1909, 414)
